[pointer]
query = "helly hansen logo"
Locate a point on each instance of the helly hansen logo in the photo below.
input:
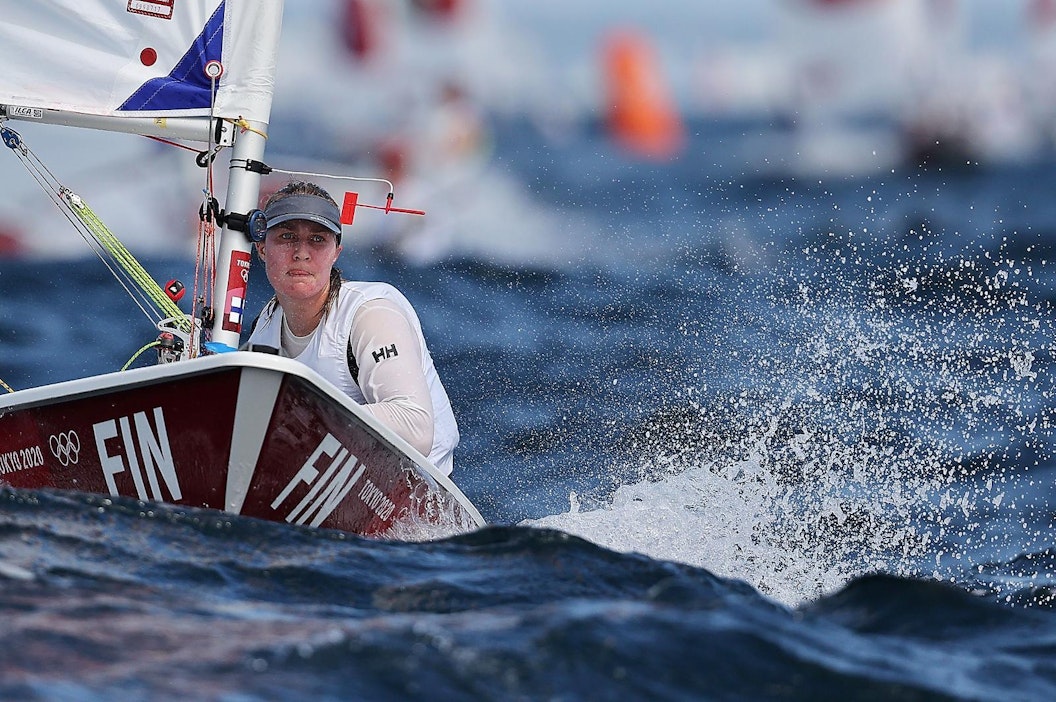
(385, 352)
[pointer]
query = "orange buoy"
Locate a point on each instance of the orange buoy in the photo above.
(642, 116)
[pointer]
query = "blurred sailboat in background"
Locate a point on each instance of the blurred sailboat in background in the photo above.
(409, 90)
(964, 106)
(839, 111)
(881, 83)
(1040, 21)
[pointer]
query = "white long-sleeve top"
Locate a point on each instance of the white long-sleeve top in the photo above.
(394, 388)
(396, 380)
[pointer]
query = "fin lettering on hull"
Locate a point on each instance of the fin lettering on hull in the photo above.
(326, 490)
(144, 452)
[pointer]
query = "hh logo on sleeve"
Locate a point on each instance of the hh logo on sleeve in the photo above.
(385, 352)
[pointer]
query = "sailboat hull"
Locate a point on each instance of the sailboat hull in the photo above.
(245, 433)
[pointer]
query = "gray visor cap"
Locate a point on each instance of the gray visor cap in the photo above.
(310, 207)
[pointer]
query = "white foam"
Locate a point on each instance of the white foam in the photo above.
(883, 438)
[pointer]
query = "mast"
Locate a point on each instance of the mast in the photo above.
(234, 256)
(256, 26)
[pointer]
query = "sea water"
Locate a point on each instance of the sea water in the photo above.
(739, 434)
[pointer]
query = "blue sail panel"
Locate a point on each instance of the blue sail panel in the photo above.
(186, 86)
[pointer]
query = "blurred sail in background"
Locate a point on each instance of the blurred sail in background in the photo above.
(408, 95)
(880, 83)
(412, 90)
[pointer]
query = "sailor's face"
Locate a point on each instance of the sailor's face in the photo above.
(298, 256)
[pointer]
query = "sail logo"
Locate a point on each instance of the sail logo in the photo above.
(330, 473)
(22, 112)
(153, 8)
(143, 451)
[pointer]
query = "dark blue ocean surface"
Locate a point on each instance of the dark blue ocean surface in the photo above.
(742, 432)
(115, 599)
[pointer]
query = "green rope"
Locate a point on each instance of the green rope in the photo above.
(104, 244)
(125, 259)
(137, 353)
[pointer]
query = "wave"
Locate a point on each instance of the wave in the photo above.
(140, 599)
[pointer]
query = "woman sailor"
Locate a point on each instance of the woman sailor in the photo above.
(365, 338)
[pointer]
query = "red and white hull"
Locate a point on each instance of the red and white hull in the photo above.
(245, 433)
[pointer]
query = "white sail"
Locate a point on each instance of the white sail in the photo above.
(139, 58)
(141, 66)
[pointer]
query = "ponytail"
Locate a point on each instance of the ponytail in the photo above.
(335, 290)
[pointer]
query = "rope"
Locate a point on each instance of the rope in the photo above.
(50, 185)
(123, 256)
(205, 260)
(6, 386)
(169, 142)
(137, 354)
(143, 290)
(242, 124)
(204, 269)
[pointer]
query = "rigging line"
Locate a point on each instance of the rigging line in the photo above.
(109, 255)
(137, 354)
(127, 261)
(212, 121)
(169, 142)
(57, 193)
(116, 249)
(242, 124)
(331, 175)
(120, 275)
(6, 386)
(39, 173)
(102, 236)
(202, 274)
(100, 239)
(205, 261)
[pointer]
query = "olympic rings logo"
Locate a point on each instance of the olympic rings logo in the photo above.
(66, 447)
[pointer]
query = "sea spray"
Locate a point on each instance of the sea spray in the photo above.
(870, 431)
